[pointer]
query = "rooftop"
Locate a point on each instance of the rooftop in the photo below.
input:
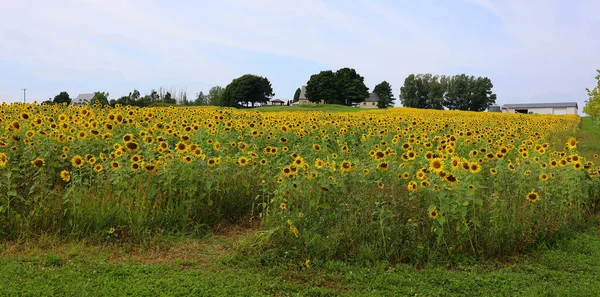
(541, 105)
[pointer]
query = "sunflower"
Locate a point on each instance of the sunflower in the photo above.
(181, 147)
(149, 167)
(263, 162)
(346, 166)
(451, 179)
(114, 165)
(134, 166)
(436, 165)
(380, 185)
(3, 159)
(38, 162)
(127, 138)
(98, 167)
(383, 166)
(64, 175)
(474, 167)
(532, 197)
(434, 214)
(412, 186)
(132, 146)
(283, 206)
(136, 158)
(493, 171)
(316, 147)
(319, 163)
(286, 171)
(571, 143)
(242, 161)
(186, 159)
(77, 161)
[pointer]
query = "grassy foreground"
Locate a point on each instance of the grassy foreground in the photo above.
(210, 268)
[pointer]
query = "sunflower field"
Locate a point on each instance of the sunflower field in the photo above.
(401, 185)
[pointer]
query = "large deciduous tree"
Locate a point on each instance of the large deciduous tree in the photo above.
(384, 92)
(469, 93)
(423, 91)
(351, 86)
(62, 97)
(322, 86)
(247, 89)
(214, 95)
(344, 86)
(592, 106)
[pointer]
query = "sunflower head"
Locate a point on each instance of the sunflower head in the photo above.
(532, 197)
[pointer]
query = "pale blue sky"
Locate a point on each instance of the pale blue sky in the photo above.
(533, 51)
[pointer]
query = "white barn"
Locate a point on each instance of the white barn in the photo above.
(559, 108)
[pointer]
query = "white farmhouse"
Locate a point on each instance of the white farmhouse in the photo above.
(559, 108)
(370, 102)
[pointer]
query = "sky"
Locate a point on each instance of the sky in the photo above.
(533, 51)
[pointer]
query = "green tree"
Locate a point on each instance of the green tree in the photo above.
(100, 98)
(62, 97)
(201, 99)
(297, 95)
(169, 98)
(469, 93)
(214, 95)
(247, 89)
(322, 86)
(423, 91)
(350, 86)
(344, 86)
(386, 97)
(592, 106)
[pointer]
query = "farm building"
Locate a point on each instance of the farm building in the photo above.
(82, 99)
(370, 102)
(543, 108)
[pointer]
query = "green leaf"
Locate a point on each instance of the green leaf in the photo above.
(12, 193)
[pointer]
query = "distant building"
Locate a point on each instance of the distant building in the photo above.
(494, 108)
(82, 99)
(277, 102)
(370, 102)
(559, 108)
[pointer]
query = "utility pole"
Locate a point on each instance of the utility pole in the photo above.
(24, 94)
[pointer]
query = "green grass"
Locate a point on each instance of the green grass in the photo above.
(588, 137)
(211, 267)
(312, 107)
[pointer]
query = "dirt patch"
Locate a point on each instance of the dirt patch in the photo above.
(183, 252)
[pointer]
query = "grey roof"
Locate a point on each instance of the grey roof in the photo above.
(83, 98)
(277, 100)
(372, 98)
(541, 105)
(303, 92)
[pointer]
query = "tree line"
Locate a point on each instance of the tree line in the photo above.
(458, 92)
(344, 86)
